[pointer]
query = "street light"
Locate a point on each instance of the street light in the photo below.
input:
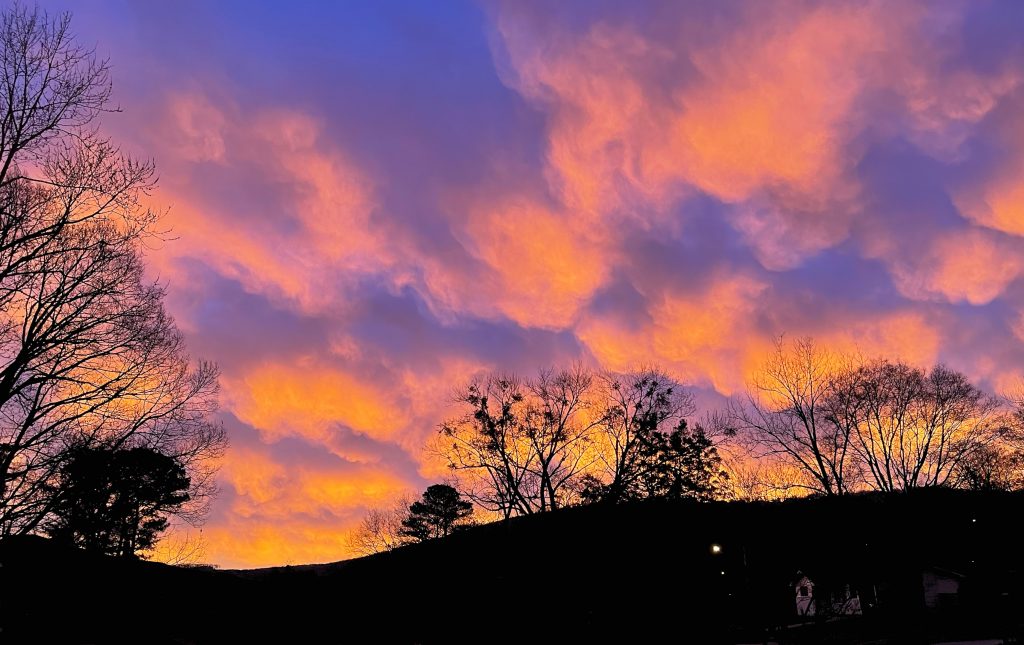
(716, 549)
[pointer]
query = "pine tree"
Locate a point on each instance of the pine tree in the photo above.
(436, 514)
(116, 501)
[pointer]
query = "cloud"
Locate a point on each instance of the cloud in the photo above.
(703, 337)
(901, 335)
(307, 208)
(364, 224)
(760, 116)
(197, 128)
(543, 266)
(287, 510)
(991, 192)
(307, 398)
(270, 489)
(769, 109)
(970, 265)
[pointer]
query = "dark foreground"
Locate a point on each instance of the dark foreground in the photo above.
(926, 567)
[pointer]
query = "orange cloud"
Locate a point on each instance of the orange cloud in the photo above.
(773, 111)
(196, 129)
(971, 266)
(714, 337)
(767, 110)
(269, 489)
(546, 267)
(251, 544)
(1009, 383)
(995, 199)
(292, 513)
(333, 199)
(307, 398)
(303, 254)
(767, 114)
(999, 202)
(603, 121)
(905, 335)
(943, 103)
(705, 338)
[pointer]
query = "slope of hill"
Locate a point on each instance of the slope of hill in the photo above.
(630, 573)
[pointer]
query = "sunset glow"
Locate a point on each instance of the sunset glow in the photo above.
(371, 203)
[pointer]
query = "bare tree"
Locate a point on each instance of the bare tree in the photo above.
(635, 406)
(790, 413)
(88, 355)
(182, 548)
(1011, 434)
(560, 428)
(486, 446)
(522, 444)
(847, 424)
(916, 428)
(990, 466)
(380, 529)
(766, 479)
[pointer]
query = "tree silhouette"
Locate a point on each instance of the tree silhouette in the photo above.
(437, 514)
(88, 355)
(791, 413)
(993, 466)
(683, 463)
(568, 435)
(688, 465)
(915, 427)
(116, 501)
(380, 529)
(841, 423)
(522, 444)
(639, 409)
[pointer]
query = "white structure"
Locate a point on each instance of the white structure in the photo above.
(843, 601)
(804, 595)
(846, 602)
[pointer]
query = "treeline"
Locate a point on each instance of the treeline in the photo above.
(819, 421)
(529, 445)
(105, 422)
(564, 437)
(811, 421)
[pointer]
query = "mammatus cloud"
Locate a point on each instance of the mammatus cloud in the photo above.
(362, 226)
(967, 265)
(992, 192)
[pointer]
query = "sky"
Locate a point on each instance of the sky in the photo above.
(372, 202)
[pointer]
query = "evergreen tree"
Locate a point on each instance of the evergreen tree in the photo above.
(436, 514)
(116, 501)
(682, 463)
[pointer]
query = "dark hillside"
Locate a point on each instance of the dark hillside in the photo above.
(619, 573)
